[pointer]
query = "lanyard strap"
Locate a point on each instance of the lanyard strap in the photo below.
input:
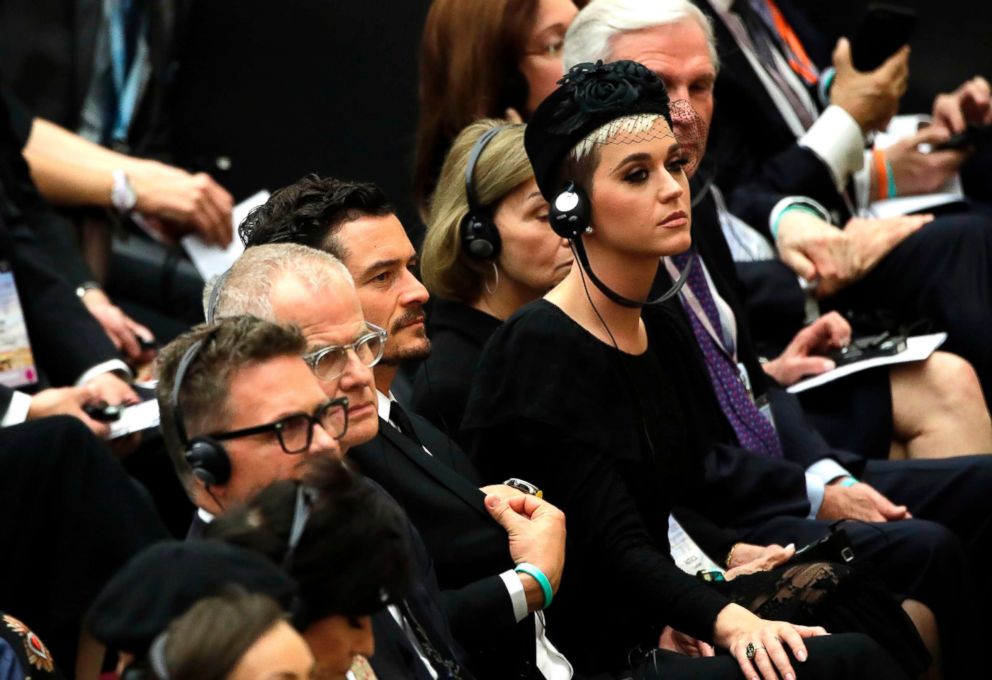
(126, 89)
(726, 341)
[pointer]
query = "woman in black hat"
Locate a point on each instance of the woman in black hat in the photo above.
(568, 395)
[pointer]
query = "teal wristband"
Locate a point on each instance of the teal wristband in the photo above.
(892, 179)
(849, 481)
(537, 575)
(794, 206)
(826, 82)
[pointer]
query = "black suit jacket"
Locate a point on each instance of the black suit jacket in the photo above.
(65, 339)
(752, 153)
(440, 493)
(800, 441)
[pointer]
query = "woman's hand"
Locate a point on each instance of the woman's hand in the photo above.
(741, 632)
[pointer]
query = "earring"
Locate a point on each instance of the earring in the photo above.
(589, 229)
(492, 291)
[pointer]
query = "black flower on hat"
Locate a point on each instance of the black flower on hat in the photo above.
(599, 87)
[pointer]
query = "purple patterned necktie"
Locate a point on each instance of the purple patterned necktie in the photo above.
(753, 430)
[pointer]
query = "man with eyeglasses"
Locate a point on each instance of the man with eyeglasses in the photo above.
(241, 409)
(491, 603)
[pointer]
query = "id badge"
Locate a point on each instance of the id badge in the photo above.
(17, 366)
(765, 408)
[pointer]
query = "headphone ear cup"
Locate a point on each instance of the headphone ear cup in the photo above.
(569, 213)
(208, 461)
(480, 237)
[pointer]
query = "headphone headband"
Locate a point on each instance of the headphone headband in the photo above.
(184, 363)
(473, 159)
(207, 459)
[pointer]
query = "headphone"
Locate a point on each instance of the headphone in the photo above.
(206, 456)
(570, 214)
(479, 235)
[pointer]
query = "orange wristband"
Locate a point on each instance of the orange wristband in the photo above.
(881, 174)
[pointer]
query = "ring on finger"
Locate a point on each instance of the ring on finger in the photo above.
(751, 650)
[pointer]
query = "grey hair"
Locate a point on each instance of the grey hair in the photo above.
(247, 286)
(591, 35)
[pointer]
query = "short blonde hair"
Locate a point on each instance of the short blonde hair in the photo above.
(447, 270)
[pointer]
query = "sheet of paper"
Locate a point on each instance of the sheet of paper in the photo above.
(688, 556)
(212, 261)
(136, 418)
(918, 348)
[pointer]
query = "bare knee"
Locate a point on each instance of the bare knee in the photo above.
(954, 385)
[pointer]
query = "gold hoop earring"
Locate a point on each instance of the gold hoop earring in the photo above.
(492, 291)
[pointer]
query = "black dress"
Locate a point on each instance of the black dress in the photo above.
(441, 386)
(609, 439)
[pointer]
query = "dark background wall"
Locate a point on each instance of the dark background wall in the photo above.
(283, 88)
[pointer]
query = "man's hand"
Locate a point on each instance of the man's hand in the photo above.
(916, 172)
(969, 104)
(871, 98)
(536, 531)
(749, 558)
(176, 202)
(111, 389)
(812, 247)
(859, 501)
(122, 330)
(803, 356)
(501, 490)
(680, 643)
(67, 401)
(836, 258)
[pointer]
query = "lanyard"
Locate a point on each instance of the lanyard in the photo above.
(126, 89)
(726, 341)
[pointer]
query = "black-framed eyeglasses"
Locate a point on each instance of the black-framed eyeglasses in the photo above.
(327, 363)
(295, 431)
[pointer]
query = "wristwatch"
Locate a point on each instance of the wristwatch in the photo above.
(122, 195)
(526, 487)
(85, 287)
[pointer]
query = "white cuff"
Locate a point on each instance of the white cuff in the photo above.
(837, 139)
(17, 411)
(517, 596)
(790, 201)
(112, 366)
(827, 469)
(862, 185)
(815, 490)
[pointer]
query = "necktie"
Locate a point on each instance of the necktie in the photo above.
(752, 429)
(443, 664)
(402, 421)
(763, 41)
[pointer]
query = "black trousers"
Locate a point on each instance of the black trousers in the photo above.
(69, 519)
(846, 655)
(942, 273)
(935, 557)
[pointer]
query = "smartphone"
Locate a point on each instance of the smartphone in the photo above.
(883, 29)
(972, 136)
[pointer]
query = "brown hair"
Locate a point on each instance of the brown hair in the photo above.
(226, 346)
(208, 641)
(468, 70)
